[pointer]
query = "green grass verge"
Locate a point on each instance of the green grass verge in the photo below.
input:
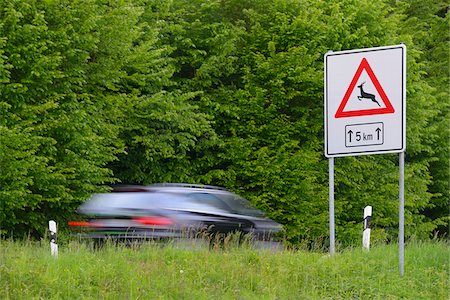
(27, 271)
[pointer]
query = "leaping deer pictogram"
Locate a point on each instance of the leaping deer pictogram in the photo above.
(365, 95)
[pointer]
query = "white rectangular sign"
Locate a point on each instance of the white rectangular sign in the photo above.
(365, 101)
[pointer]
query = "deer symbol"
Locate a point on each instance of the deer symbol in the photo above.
(365, 95)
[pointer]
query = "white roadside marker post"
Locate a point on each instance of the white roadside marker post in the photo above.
(366, 232)
(53, 245)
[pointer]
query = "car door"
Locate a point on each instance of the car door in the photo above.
(219, 217)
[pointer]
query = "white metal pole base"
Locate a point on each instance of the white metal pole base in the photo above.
(366, 239)
(53, 245)
(54, 249)
(366, 232)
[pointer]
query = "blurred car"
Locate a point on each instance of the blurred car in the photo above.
(172, 211)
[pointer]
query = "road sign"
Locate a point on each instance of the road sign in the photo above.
(365, 101)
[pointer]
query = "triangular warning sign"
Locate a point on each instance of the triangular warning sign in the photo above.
(388, 109)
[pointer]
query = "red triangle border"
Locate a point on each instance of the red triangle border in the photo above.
(340, 113)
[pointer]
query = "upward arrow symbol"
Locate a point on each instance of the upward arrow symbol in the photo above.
(378, 130)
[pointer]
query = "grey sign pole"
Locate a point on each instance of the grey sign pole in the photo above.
(331, 200)
(401, 214)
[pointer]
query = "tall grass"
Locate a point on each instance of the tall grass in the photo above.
(27, 271)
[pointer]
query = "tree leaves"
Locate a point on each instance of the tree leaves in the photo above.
(224, 92)
(271, 97)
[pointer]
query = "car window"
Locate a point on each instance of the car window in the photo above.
(211, 200)
(109, 203)
(114, 201)
(240, 205)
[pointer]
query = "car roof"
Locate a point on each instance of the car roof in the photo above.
(176, 196)
(109, 202)
(170, 187)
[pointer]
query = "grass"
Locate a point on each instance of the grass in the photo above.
(27, 271)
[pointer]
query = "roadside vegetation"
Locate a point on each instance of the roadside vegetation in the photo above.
(153, 271)
(226, 93)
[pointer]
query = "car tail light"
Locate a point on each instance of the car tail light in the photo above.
(78, 224)
(153, 220)
(84, 224)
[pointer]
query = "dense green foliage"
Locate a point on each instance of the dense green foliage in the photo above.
(216, 92)
(28, 271)
(429, 22)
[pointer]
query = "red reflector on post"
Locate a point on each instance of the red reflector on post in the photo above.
(153, 220)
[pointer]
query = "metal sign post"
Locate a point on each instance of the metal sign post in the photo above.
(401, 214)
(365, 113)
(331, 201)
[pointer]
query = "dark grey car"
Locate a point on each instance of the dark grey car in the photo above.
(172, 211)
